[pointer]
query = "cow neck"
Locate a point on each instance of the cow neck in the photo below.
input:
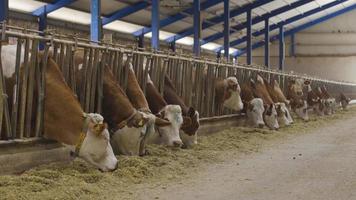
(246, 93)
(63, 116)
(171, 96)
(134, 92)
(220, 91)
(154, 99)
(273, 94)
(261, 92)
(116, 105)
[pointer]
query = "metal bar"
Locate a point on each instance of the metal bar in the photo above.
(42, 26)
(267, 56)
(155, 24)
(227, 29)
(52, 7)
(4, 10)
(289, 20)
(197, 28)
(179, 16)
(218, 19)
(241, 26)
(123, 12)
(292, 45)
(249, 37)
(95, 25)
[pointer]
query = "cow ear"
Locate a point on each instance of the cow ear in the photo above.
(252, 83)
(186, 122)
(161, 122)
(259, 79)
(249, 106)
(191, 112)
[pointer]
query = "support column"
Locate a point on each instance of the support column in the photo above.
(4, 10)
(197, 28)
(95, 26)
(281, 48)
(42, 26)
(172, 46)
(227, 29)
(155, 24)
(249, 37)
(267, 55)
(141, 41)
(292, 45)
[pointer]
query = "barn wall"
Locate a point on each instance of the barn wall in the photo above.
(326, 50)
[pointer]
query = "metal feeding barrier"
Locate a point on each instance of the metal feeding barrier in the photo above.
(23, 94)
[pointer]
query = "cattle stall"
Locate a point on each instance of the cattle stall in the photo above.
(23, 88)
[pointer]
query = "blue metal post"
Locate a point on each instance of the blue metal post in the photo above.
(227, 29)
(267, 57)
(141, 41)
(281, 48)
(249, 37)
(42, 25)
(155, 24)
(292, 45)
(95, 26)
(197, 28)
(172, 46)
(4, 10)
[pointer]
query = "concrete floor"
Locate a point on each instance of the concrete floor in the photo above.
(320, 165)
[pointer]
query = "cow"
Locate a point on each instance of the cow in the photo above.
(84, 134)
(227, 94)
(189, 133)
(344, 101)
(330, 102)
(280, 101)
(314, 99)
(252, 106)
(270, 114)
(172, 113)
(169, 135)
(297, 99)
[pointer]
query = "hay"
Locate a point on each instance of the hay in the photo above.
(78, 180)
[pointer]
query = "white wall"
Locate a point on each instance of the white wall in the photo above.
(327, 50)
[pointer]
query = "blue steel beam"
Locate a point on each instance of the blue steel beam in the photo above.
(197, 26)
(51, 7)
(218, 19)
(288, 21)
(258, 19)
(249, 37)
(155, 24)
(281, 48)
(125, 12)
(267, 57)
(301, 27)
(292, 45)
(174, 18)
(95, 25)
(4, 10)
(227, 29)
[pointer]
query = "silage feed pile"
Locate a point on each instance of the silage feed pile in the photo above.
(78, 180)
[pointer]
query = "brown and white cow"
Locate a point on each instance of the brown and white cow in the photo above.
(227, 94)
(280, 101)
(296, 98)
(189, 132)
(344, 101)
(270, 114)
(169, 134)
(314, 99)
(64, 120)
(253, 107)
(330, 102)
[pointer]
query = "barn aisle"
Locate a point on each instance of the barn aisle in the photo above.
(319, 165)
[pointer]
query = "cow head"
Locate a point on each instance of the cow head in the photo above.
(189, 133)
(170, 134)
(284, 117)
(300, 107)
(96, 148)
(270, 117)
(233, 100)
(254, 112)
(295, 87)
(344, 101)
(133, 137)
(330, 106)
